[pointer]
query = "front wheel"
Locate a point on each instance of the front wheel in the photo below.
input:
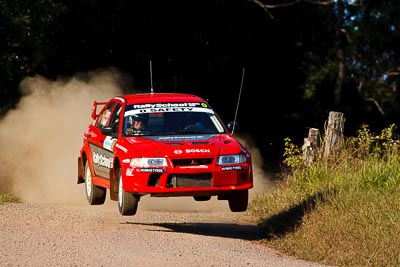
(95, 195)
(127, 202)
(238, 200)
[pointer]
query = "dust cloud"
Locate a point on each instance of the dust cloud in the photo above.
(40, 141)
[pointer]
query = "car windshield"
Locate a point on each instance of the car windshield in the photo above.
(170, 122)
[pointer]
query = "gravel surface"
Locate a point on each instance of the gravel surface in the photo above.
(57, 227)
(44, 234)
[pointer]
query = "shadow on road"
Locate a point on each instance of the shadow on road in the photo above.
(246, 232)
(269, 228)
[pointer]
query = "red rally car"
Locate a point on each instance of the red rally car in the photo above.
(162, 145)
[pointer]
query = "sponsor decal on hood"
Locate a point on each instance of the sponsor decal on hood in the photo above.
(180, 137)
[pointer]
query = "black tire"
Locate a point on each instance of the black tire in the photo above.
(127, 202)
(95, 195)
(202, 198)
(238, 200)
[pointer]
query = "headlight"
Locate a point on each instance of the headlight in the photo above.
(148, 162)
(231, 159)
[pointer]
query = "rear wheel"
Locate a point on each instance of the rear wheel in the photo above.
(95, 195)
(238, 200)
(127, 202)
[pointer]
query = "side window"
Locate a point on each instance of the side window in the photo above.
(114, 122)
(104, 118)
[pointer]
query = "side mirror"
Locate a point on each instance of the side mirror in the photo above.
(108, 131)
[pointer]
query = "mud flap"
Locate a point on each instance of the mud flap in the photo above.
(81, 178)
(113, 186)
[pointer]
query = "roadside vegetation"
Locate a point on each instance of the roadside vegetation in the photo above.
(9, 198)
(341, 210)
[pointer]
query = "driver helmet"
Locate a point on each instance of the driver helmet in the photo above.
(144, 118)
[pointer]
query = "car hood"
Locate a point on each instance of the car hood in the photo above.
(182, 145)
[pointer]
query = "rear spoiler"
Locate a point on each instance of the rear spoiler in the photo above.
(94, 109)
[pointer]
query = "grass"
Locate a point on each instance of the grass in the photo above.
(9, 198)
(343, 210)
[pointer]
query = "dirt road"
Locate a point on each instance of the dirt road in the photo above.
(43, 234)
(40, 141)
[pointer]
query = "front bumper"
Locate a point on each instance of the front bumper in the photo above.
(160, 182)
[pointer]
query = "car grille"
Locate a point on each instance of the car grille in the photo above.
(189, 180)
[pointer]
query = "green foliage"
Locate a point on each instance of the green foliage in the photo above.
(343, 210)
(319, 73)
(27, 28)
(9, 198)
(367, 144)
(292, 154)
(27, 42)
(374, 40)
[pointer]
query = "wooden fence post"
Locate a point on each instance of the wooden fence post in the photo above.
(334, 132)
(311, 146)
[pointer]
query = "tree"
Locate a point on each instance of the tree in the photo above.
(358, 71)
(26, 31)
